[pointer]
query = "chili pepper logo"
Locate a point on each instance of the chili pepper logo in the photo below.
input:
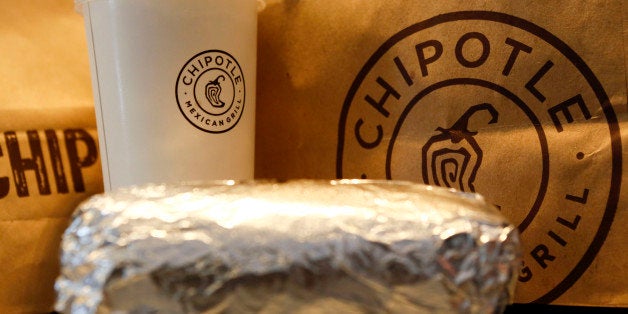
(213, 90)
(453, 157)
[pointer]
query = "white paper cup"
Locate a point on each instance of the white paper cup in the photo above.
(174, 88)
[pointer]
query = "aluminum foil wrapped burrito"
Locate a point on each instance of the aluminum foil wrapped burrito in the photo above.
(292, 247)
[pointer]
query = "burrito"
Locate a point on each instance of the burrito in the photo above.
(301, 246)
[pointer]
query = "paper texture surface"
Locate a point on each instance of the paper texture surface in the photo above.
(48, 145)
(523, 102)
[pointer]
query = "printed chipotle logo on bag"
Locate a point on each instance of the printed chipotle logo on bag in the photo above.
(46, 162)
(490, 103)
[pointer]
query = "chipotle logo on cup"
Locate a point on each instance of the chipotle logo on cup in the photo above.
(211, 91)
(487, 102)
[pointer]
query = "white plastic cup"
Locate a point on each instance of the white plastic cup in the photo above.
(174, 88)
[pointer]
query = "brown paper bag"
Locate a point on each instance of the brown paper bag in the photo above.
(311, 54)
(521, 101)
(48, 145)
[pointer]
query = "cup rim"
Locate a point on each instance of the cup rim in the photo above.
(78, 5)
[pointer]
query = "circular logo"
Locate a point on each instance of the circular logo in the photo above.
(490, 103)
(210, 91)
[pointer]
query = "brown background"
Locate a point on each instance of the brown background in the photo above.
(45, 84)
(311, 50)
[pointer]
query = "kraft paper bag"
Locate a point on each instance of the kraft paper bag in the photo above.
(523, 102)
(48, 145)
(319, 60)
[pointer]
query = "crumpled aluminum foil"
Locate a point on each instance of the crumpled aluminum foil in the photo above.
(305, 246)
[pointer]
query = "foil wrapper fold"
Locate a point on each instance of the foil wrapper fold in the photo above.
(305, 246)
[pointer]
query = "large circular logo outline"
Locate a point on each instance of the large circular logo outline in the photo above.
(576, 60)
(508, 94)
(176, 92)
